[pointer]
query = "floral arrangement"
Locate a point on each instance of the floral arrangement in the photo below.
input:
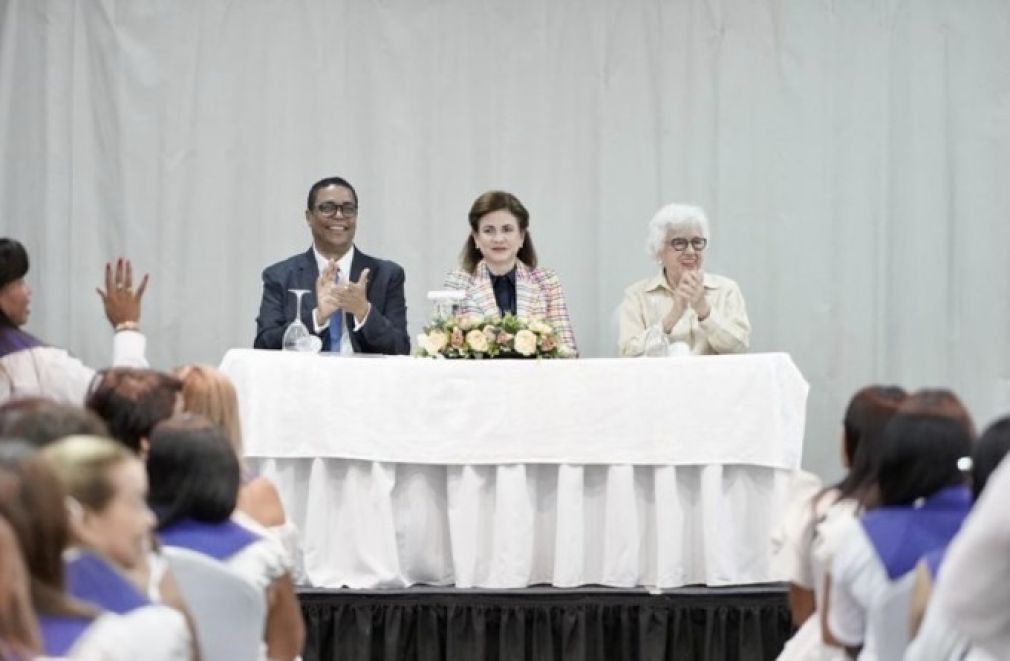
(475, 337)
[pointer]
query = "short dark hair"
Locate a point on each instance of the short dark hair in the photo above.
(192, 471)
(132, 401)
(325, 183)
(923, 443)
(990, 449)
(13, 265)
(497, 200)
(41, 421)
(13, 261)
(866, 416)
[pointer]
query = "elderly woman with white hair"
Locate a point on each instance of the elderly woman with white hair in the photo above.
(682, 303)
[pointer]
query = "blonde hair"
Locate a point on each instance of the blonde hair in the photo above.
(83, 464)
(210, 393)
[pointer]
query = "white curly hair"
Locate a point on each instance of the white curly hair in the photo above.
(671, 218)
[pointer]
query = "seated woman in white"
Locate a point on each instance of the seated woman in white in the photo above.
(208, 392)
(499, 271)
(935, 637)
(29, 367)
(818, 526)
(78, 625)
(195, 478)
(923, 500)
(682, 303)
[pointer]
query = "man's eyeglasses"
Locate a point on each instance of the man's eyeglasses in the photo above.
(330, 209)
(680, 245)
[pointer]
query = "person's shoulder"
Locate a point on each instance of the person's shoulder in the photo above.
(377, 263)
(544, 274)
(287, 264)
(639, 286)
(458, 278)
(716, 281)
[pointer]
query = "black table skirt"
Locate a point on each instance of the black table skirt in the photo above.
(537, 624)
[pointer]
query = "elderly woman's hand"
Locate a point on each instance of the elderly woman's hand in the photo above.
(694, 292)
(122, 303)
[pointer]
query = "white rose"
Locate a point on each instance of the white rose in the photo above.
(471, 321)
(477, 340)
(525, 343)
(433, 342)
(541, 328)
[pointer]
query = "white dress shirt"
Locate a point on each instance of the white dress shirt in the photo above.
(344, 267)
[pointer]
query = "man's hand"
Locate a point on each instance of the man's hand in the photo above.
(351, 296)
(326, 293)
(122, 303)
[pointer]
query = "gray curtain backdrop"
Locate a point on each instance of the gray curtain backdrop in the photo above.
(852, 156)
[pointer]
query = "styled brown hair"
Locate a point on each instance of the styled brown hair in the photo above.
(33, 501)
(498, 200)
(132, 401)
(19, 632)
(210, 393)
(41, 421)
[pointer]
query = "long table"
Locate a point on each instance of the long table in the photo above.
(621, 472)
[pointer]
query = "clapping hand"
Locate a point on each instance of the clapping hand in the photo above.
(344, 295)
(326, 292)
(122, 303)
(692, 291)
(352, 296)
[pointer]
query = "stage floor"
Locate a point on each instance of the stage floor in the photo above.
(546, 623)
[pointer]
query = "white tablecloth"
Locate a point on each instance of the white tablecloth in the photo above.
(658, 472)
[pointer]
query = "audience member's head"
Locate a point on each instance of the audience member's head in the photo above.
(132, 401)
(991, 447)
(107, 485)
(14, 408)
(194, 471)
(19, 634)
(33, 502)
(41, 421)
(208, 392)
(923, 444)
(866, 416)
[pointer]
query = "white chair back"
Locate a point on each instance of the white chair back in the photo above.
(229, 613)
(889, 619)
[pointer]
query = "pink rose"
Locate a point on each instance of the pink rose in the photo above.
(548, 343)
(457, 338)
(504, 338)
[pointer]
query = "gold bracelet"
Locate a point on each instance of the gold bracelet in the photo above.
(127, 325)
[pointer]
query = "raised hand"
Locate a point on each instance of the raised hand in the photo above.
(352, 296)
(122, 303)
(327, 301)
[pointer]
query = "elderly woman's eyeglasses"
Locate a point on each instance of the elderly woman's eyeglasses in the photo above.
(680, 245)
(330, 209)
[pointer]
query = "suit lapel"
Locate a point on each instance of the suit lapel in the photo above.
(527, 303)
(483, 295)
(359, 263)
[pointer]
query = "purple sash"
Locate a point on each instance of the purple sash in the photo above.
(218, 540)
(59, 633)
(902, 535)
(93, 580)
(13, 340)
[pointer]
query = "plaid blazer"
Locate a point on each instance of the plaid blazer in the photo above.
(538, 296)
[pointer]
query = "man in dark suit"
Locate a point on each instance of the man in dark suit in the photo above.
(355, 302)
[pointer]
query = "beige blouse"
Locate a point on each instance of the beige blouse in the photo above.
(725, 330)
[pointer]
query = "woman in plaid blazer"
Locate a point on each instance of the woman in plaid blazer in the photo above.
(499, 269)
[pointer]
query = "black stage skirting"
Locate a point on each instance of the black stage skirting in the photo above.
(537, 624)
